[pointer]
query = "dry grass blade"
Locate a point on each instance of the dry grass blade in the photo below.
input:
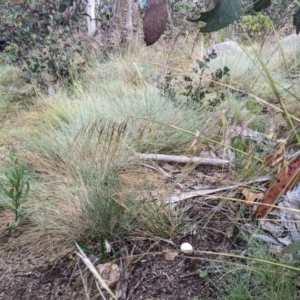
(276, 92)
(88, 263)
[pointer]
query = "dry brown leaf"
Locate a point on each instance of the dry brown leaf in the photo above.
(284, 181)
(251, 197)
(170, 256)
(110, 273)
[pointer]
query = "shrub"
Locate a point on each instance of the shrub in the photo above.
(46, 40)
(255, 26)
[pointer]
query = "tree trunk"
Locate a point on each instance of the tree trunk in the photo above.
(122, 27)
(91, 22)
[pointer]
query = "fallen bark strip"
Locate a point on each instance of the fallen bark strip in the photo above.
(184, 159)
(184, 196)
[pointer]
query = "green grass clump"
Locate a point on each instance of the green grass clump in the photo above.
(260, 279)
(90, 162)
(91, 145)
(145, 111)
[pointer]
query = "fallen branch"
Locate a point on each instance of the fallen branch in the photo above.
(184, 196)
(184, 159)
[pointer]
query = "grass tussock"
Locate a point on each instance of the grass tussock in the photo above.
(77, 149)
(146, 113)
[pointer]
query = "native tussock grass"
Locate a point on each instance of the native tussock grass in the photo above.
(97, 192)
(83, 148)
(146, 113)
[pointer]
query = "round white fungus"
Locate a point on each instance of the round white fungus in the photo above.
(186, 247)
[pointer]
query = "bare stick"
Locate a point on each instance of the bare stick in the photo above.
(184, 196)
(184, 159)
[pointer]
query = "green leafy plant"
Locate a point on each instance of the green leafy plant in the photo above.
(195, 87)
(14, 193)
(103, 255)
(203, 274)
(227, 11)
(223, 14)
(255, 26)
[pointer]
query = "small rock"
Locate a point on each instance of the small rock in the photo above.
(225, 46)
(290, 41)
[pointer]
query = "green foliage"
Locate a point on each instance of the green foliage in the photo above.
(179, 10)
(106, 210)
(98, 160)
(195, 87)
(103, 15)
(203, 274)
(259, 280)
(45, 38)
(224, 13)
(9, 54)
(14, 192)
(255, 26)
(165, 221)
(292, 251)
(182, 6)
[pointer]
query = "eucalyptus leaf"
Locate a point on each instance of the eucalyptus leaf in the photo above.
(224, 13)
